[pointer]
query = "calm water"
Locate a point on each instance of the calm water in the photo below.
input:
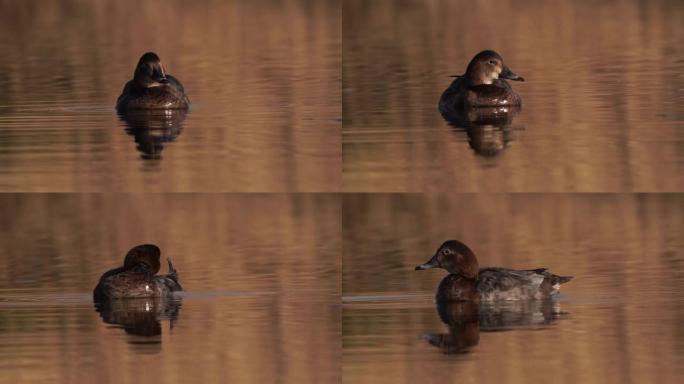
(263, 77)
(602, 104)
(262, 281)
(290, 98)
(619, 321)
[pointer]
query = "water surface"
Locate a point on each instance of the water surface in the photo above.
(261, 275)
(618, 321)
(602, 101)
(263, 78)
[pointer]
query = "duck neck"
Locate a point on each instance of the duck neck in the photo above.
(469, 278)
(142, 268)
(480, 79)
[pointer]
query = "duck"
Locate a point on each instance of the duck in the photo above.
(138, 278)
(483, 85)
(152, 88)
(468, 282)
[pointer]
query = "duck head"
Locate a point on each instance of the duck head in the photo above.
(145, 257)
(488, 66)
(150, 72)
(456, 258)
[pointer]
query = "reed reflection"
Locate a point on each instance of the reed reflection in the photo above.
(153, 128)
(466, 319)
(140, 317)
(488, 129)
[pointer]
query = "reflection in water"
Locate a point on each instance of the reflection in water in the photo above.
(140, 317)
(488, 128)
(466, 319)
(153, 128)
(464, 332)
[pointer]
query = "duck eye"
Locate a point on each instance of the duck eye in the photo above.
(446, 251)
(492, 62)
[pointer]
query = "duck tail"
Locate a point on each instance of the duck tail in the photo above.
(173, 274)
(555, 279)
(561, 279)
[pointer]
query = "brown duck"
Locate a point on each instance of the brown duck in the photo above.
(483, 85)
(152, 88)
(466, 281)
(137, 277)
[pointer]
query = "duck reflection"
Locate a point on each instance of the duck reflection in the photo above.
(140, 317)
(489, 129)
(466, 319)
(153, 128)
(462, 317)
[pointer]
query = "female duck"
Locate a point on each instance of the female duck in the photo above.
(467, 281)
(152, 88)
(482, 85)
(136, 279)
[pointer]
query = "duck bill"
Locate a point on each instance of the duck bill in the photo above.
(161, 79)
(159, 76)
(433, 263)
(508, 74)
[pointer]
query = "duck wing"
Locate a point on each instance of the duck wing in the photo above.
(178, 88)
(451, 100)
(504, 279)
(511, 284)
(171, 278)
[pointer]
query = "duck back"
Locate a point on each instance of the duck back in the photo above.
(170, 95)
(120, 283)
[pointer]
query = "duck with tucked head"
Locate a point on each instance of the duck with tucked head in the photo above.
(137, 278)
(483, 85)
(466, 281)
(152, 88)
